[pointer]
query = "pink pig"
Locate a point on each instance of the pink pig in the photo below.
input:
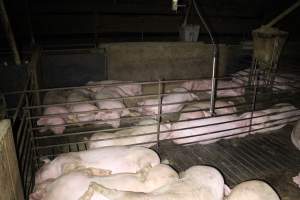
(176, 101)
(205, 84)
(60, 118)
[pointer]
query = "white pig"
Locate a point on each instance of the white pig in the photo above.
(104, 160)
(131, 136)
(111, 109)
(205, 84)
(253, 190)
(55, 122)
(205, 105)
(54, 97)
(176, 100)
(296, 180)
(123, 88)
(282, 82)
(212, 129)
(59, 112)
(196, 183)
(81, 111)
(280, 115)
(273, 118)
(75, 184)
(259, 118)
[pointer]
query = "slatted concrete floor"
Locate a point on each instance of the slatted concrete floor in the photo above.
(264, 156)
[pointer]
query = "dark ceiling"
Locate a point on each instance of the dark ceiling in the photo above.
(87, 22)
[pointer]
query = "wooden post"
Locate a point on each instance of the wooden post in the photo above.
(10, 180)
(9, 33)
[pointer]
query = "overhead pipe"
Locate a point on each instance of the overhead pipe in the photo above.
(9, 33)
(215, 57)
(283, 14)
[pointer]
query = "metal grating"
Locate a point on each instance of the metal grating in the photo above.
(253, 157)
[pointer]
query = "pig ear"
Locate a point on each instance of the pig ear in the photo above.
(42, 121)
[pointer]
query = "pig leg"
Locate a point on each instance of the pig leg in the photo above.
(69, 167)
(95, 187)
(95, 172)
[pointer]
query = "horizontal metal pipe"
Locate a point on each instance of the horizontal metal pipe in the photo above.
(84, 142)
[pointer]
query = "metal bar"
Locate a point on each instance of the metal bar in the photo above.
(159, 110)
(9, 33)
(283, 14)
(20, 102)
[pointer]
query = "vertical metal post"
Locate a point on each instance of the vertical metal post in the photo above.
(213, 83)
(9, 33)
(159, 109)
(256, 84)
(215, 57)
(32, 140)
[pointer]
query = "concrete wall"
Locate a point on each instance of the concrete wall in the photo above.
(165, 60)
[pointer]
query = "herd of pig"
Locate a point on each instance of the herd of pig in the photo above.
(103, 104)
(129, 173)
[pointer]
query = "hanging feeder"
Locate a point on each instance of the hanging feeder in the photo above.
(268, 43)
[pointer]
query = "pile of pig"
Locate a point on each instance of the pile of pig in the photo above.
(79, 106)
(102, 103)
(198, 127)
(282, 82)
(128, 173)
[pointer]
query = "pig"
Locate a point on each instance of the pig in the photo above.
(295, 136)
(204, 134)
(40, 190)
(179, 96)
(131, 136)
(123, 88)
(280, 115)
(205, 105)
(54, 97)
(241, 77)
(111, 110)
(78, 95)
(253, 190)
(196, 183)
(281, 82)
(81, 111)
(296, 180)
(59, 113)
(273, 118)
(57, 121)
(145, 180)
(205, 85)
(104, 160)
(259, 118)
